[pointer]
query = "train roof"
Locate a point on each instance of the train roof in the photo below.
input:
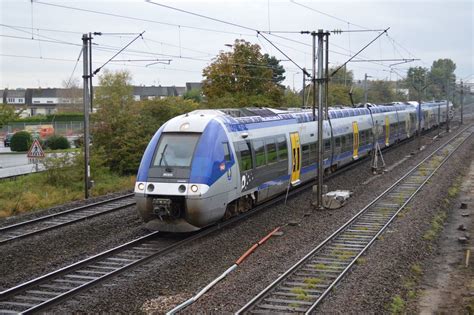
(251, 115)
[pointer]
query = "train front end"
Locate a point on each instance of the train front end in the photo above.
(183, 180)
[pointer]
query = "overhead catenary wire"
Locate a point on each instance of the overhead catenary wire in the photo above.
(74, 69)
(131, 42)
(139, 19)
(362, 49)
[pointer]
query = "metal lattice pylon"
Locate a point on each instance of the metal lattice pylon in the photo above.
(375, 159)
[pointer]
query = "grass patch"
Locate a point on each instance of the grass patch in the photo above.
(342, 254)
(416, 269)
(61, 183)
(436, 226)
(397, 306)
(320, 266)
(361, 260)
(453, 191)
(312, 282)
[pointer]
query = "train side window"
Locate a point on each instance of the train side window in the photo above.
(225, 146)
(245, 156)
(259, 149)
(271, 151)
(305, 155)
(338, 142)
(282, 149)
(343, 142)
(327, 145)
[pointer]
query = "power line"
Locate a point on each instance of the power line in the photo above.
(131, 42)
(40, 40)
(139, 19)
(328, 15)
(335, 71)
(74, 70)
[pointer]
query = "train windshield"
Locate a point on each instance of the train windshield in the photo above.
(175, 150)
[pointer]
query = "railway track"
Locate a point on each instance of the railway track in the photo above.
(302, 288)
(56, 220)
(50, 289)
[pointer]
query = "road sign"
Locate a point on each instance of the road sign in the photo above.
(36, 151)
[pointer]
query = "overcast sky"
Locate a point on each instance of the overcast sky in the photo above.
(427, 30)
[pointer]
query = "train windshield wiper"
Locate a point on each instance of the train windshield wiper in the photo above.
(163, 157)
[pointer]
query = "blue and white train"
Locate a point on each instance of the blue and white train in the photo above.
(207, 165)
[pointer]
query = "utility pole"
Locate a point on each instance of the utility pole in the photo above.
(462, 102)
(320, 119)
(365, 87)
(326, 76)
(86, 76)
(304, 85)
(91, 91)
(447, 105)
(313, 34)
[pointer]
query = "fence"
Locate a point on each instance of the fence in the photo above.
(62, 128)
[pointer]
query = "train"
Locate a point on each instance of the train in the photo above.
(208, 165)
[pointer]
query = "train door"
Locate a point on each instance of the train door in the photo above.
(295, 158)
(355, 144)
(387, 130)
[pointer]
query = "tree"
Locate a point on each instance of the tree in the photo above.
(442, 76)
(381, 92)
(243, 77)
(278, 70)
(123, 127)
(7, 114)
(418, 78)
(291, 98)
(343, 76)
(114, 118)
(193, 94)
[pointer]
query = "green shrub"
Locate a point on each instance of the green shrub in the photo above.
(57, 143)
(21, 141)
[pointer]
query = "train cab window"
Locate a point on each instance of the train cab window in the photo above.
(259, 149)
(175, 150)
(245, 161)
(225, 146)
(271, 151)
(282, 149)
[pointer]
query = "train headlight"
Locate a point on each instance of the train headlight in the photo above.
(184, 127)
(141, 186)
(194, 188)
(151, 187)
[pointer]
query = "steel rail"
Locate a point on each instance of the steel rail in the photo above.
(60, 219)
(12, 292)
(91, 281)
(291, 271)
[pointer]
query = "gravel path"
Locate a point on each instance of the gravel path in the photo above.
(159, 285)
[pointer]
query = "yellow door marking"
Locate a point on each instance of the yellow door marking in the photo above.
(355, 129)
(295, 158)
(387, 131)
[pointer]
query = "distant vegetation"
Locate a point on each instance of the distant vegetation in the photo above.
(21, 141)
(61, 183)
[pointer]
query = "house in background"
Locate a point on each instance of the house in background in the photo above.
(17, 99)
(47, 101)
(43, 101)
(141, 93)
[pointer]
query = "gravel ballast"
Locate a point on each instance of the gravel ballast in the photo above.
(159, 285)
